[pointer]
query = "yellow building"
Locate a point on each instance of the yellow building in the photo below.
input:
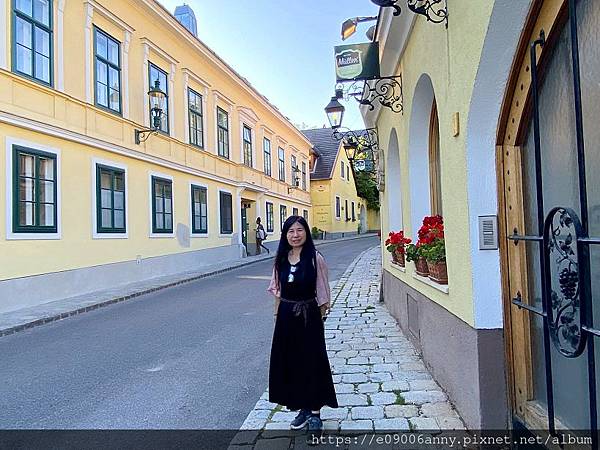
(508, 338)
(85, 206)
(337, 209)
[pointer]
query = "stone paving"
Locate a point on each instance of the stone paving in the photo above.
(380, 380)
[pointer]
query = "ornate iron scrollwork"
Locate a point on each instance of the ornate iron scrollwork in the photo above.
(435, 11)
(366, 143)
(563, 278)
(386, 90)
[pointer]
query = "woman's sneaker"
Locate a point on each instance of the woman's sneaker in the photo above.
(315, 427)
(300, 420)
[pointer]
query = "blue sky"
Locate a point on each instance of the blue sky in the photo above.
(285, 49)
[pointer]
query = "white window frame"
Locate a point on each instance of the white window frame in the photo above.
(233, 212)
(95, 234)
(10, 234)
(243, 124)
(191, 211)
(151, 201)
(343, 173)
(220, 101)
(197, 84)
(335, 208)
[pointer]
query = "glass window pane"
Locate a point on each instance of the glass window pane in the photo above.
(25, 6)
(119, 219)
(159, 221)
(114, 100)
(167, 205)
(113, 78)
(101, 45)
(42, 68)
(47, 191)
(47, 215)
(42, 42)
(26, 165)
(197, 209)
(26, 214)
(26, 189)
(24, 60)
(105, 180)
(119, 200)
(106, 219)
(101, 72)
(113, 52)
(203, 209)
(101, 96)
(106, 198)
(24, 32)
(120, 182)
(158, 205)
(46, 168)
(168, 221)
(41, 11)
(167, 190)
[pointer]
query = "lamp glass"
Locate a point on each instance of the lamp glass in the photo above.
(157, 97)
(348, 28)
(335, 113)
(350, 148)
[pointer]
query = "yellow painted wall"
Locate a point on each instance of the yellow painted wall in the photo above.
(450, 58)
(373, 220)
(323, 194)
(82, 131)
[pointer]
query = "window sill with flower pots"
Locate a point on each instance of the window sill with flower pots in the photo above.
(428, 254)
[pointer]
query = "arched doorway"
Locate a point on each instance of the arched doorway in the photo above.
(551, 217)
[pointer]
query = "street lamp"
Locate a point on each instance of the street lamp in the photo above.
(350, 146)
(349, 26)
(335, 113)
(157, 104)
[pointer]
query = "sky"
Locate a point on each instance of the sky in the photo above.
(285, 49)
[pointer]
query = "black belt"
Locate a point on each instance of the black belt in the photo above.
(300, 307)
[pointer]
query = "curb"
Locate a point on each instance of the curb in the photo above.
(64, 315)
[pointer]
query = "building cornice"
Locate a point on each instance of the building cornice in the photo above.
(164, 14)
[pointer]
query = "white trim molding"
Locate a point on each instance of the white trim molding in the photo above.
(10, 234)
(190, 77)
(60, 48)
(95, 234)
(191, 211)
(125, 74)
(151, 234)
(89, 15)
(4, 40)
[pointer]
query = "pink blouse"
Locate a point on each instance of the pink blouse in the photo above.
(323, 292)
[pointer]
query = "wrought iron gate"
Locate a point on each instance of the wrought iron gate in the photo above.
(564, 252)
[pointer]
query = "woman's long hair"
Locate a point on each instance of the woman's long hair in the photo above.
(308, 254)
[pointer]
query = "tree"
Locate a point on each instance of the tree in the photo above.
(366, 187)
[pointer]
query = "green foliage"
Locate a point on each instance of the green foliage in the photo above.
(434, 252)
(367, 189)
(316, 233)
(412, 252)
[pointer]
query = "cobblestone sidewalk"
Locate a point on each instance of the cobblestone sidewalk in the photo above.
(380, 381)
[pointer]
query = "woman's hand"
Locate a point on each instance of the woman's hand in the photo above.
(324, 309)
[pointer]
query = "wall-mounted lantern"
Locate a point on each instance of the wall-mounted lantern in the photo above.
(157, 106)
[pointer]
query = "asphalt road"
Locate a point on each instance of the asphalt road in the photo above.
(188, 357)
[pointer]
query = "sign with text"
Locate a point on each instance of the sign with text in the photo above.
(357, 61)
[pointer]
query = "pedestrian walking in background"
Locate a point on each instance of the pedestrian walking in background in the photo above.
(299, 374)
(261, 235)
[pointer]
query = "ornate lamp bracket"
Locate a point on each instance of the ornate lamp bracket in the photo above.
(435, 11)
(387, 91)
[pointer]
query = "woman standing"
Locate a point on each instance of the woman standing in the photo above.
(299, 374)
(261, 235)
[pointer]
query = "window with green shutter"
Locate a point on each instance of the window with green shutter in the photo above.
(270, 218)
(195, 118)
(34, 191)
(110, 199)
(225, 207)
(282, 215)
(162, 205)
(223, 133)
(32, 39)
(247, 134)
(267, 156)
(108, 71)
(199, 210)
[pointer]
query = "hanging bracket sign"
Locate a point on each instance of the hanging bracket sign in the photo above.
(355, 62)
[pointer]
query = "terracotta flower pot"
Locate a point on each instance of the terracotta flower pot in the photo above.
(421, 267)
(438, 272)
(398, 257)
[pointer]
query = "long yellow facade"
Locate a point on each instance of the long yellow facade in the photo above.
(66, 120)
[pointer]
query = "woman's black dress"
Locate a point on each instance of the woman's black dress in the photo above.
(299, 373)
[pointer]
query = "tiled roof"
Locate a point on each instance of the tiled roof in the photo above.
(327, 148)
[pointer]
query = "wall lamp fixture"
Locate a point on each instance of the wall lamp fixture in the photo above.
(435, 11)
(157, 104)
(349, 26)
